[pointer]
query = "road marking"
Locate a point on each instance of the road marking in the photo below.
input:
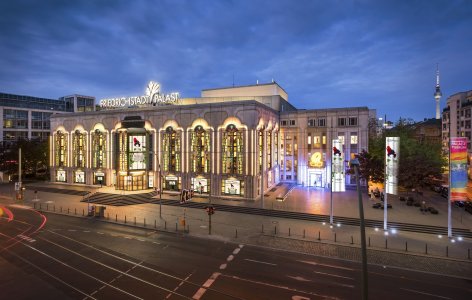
(299, 278)
(333, 275)
(156, 243)
(423, 293)
(127, 237)
(206, 285)
(180, 284)
(141, 240)
(86, 230)
(299, 298)
(230, 258)
(26, 238)
(260, 262)
(236, 251)
(100, 232)
(71, 230)
(241, 246)
(223, 266)
(325, 265)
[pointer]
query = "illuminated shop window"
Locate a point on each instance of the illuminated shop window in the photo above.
(200, 150)
(353, 139)
(78, 149)
(276, 147)
(60, 149)
(232, 150)
(99, 149)
(232, 187)
(171, 150)
(261, 142)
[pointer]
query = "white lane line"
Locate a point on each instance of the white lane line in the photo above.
(279, 287)
(206, 285)
(181, 283)
(141, 240)
(236, 251)
(423, 293)
(72, 230)
(100, 232)
(260, 262)
(333, 275)
(223, 266)
(325, 265)
(299, 278)
(127, 237)
(156, 243)
(230, 258)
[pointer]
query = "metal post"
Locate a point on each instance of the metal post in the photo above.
(160, 192)
(355, 163)
(385, 206)
(449, 213)
(331, 195)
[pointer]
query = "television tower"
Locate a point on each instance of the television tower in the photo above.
(437, 94)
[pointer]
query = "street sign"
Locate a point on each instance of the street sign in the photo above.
(17, 186)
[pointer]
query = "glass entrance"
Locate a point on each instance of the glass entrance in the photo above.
(131, 183)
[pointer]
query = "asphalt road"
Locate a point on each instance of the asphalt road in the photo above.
(58, 257)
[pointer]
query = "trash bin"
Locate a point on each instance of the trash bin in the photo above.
(100, 211)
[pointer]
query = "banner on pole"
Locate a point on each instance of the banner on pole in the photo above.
(392, 159)
(337, 167)
(458, 168)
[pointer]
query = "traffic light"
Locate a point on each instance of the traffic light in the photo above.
(210, 210)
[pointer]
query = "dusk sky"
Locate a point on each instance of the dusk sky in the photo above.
(380, 54)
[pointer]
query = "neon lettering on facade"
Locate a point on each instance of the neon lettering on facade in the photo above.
(153, 96)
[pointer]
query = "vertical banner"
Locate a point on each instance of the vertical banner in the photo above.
(458, 168)
(392, 159)
(337, 167)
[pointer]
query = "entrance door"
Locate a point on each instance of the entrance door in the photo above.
(315, 179)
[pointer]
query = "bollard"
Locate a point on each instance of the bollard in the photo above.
(447, 251)
(176, 226)
(319, 235)
(262, 228)
(426, 248)
(386, 244)
(125, 219)
(165, 225)
(75, 211)
(369, 241)
(83, 212)
(303, 233)
(468, 253)
(335, 237)
(406, 246)
(275, 230)
(39, 206)
(144, 222)
(134, 220)
(236, 233)
(352, 240)
(47, 207)
(155, 224)
(289, 231)
(116, 217)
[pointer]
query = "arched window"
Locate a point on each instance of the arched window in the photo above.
(269, 149)
(232, 150)
(171, 150)
(60, 149)
(200, 150)
(99, 148)
(78, 149)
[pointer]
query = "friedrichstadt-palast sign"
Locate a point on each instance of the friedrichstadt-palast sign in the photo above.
(153, 96)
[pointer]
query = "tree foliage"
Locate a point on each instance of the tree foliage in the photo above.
(34, 156)
(418, 160)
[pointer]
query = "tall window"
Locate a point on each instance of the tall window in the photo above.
(276, 147)
(200, 150)
(261, 146)
(98, 149)
(122, 151)
(232, 150)
(61, 149)
(269, 149)
(78, 149)
(171, 150)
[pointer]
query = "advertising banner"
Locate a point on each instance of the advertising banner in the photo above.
(458, 168)
(338, 177)
(392, 160)
(232, 187)
(137, 151)
(200, 185)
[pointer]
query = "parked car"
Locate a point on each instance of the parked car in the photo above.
(388, 206)
(468, 206)
(459, 203)
(377, 205)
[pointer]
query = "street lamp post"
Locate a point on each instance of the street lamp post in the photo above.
(355, 164)
(160, 192)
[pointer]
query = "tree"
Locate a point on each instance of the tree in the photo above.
(34, 156)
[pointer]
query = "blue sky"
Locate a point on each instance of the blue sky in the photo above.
(380, 54)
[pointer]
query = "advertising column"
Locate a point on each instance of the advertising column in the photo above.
(338, 183)
(392, 159)
(457, 174)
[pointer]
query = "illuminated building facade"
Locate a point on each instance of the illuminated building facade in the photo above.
(230, 143)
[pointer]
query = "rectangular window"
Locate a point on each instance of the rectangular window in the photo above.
(341, 138)
(309, 139)
(324, 139)
(311, 122)
(353, 139)
(292, 122)
(341, 121)
(322, 122)
(316, 139)
(353, 121)
(284, 122)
